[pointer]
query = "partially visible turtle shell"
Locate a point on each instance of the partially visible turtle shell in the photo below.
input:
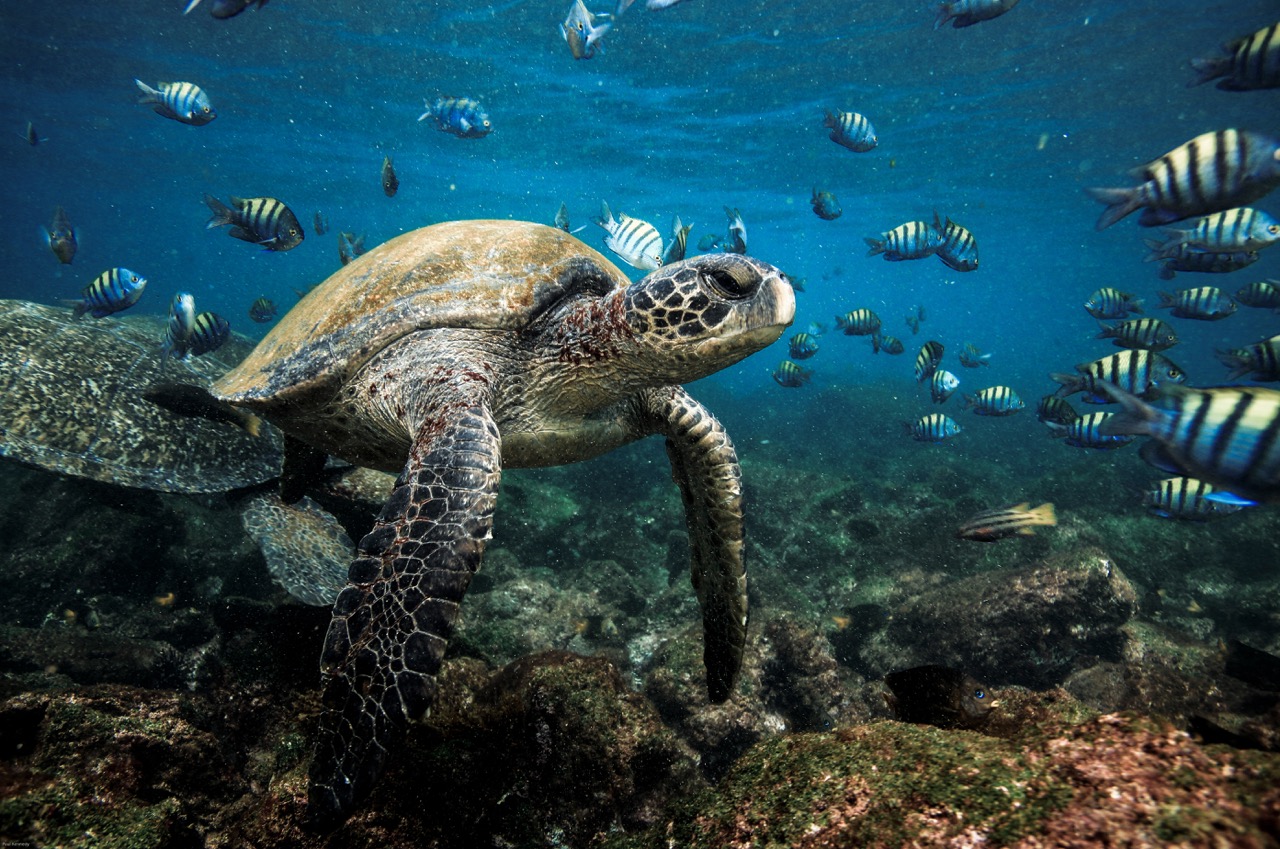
(71, 402)
(467, 274)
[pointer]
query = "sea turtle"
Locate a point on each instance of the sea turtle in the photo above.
(457, 349)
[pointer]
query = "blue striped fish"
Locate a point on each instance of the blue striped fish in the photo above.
(185, 102)
(1261, 294)
(1251, 62)
(1212, 172)
(1184, 258)
(935, 428)
(790, 375)
(209, 332)
(1053, 409)
(1261, 361)
(1139, 372)
(850, 130)
(1204, 303)
(942, 385)
(1228, 436)
(182, 323)
(1149, 333)
(959, 249)
(679, 242)
(1189, 499)
(891, 345)
(1112, 303)
(1087, 432)
(913, 240)
(263, 221)
(802, 346)
(927, 360)
(637, 242)
(110, 292)
(1241, 229)
(859, 322)
(995, 401)
(463, 117)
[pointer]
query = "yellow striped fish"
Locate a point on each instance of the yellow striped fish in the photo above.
(927, 360)
(1262, 359)
(913, 240)
(208, 333)
(1149, 333)
(637, 242)
(1187, 498)
(1228, 436)
(1212, 172)
(1003, 522)
(263, 221)
(1251, 62)
(1137, 371)
(1204, 303)
(185, 102)
(959, 250)
(995, 401)
(110, 292)
(1239, 229)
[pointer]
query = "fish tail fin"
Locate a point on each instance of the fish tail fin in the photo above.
(944, 14)
(191, 6)
(1156, 248)
(1106, 331)
(1167, 272)
(1057, 430)
(1209, 69)
(969, 401)
(1120, 202)
(1239, 365)
(606, 217)
(149, 94)
(222, 214)
(1135, 418)
(1135, 305)
(876, 245)
(78, 308)
(1071, 383)
(1044, 515)
(1166, 300)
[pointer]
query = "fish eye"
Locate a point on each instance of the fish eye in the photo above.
(133, 278)
(979, 694)
(1273, 229)
(1175, 372)
(205, 109)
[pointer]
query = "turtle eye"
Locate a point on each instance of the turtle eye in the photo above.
(735, 282)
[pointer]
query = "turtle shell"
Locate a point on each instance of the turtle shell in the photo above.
(71, 401)
(495, 275)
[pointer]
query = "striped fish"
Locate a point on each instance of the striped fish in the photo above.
(790, 375)
(110, 292)
(182, 323)
(1241, 229)
(966, 13)
(637, 242)
(1053, 409)
(1138, 372)
(913, 240)
(889, 344)
(1151, 334)
(935, 427)
(1264, 294)
(209, 332)
(959, 250)
(942, 385)
(825, 205)
(972, 357)
(995, 401)
(1185, 258)
(1112, 303)
(802, 346)
(1212, 172)
(736, 242)
(1003, 522)
(1228, 436)
(927, 360)
(1251, 62)
(859, 322)
(850, 130)
(1188, 498)
(1262, 359)
(263, 221)
(679, 242)
(185, 102)
(263, 309)
(463, 117)
(1205, 303)
(1087, 432)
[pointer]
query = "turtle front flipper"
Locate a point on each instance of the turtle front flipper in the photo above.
(392, 622)
(705, 467)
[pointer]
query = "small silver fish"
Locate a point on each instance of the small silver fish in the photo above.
(182, 323)
(184, 102)
(637, 242)
(737, 241)
(581, 32)
(679, 242)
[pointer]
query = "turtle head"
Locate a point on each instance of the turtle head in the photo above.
(702, 314)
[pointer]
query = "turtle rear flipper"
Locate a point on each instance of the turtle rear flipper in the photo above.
(187, 399)
(705, 467)
(391, 624)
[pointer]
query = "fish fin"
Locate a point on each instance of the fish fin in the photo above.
(149, 94)
(1156, 248)
(1024, 507)
(1120, 202)
(876, 245)
(1056, 430)
(1106, 331)
(1044, 514)
(1135, 305)
(1210, 69)
(1155, 217)
(1134, 419)
(1166, 300)
(1167, 272)
(1239, 365)
(222, 214)
(944, 14)
(191, 6)
(1230, 499)
(606, 217)
(1026, 532)
(78, 307)
(1071, 383)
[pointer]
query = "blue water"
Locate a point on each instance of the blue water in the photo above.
(688, 110)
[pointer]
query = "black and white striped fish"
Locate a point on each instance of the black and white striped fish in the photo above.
(1053, 409)
(263, 221)
(959, 250)
(1228, 436)
(1003, 522)
(1261, 361)
(1138, 372)
(1241, 229)
(209, 332)
(1149, 333)
(185, 102)
(1087, 432)
(850, 130)
(942, 385)
(679, 242)
(1190, 499)
(1184, 258)
(995, 401)
(802, 346)
(889, 344)
(736, 242)
(913, 240)
(1204, 303)
(790, 375)
(927, 360)
(1212, 172)
(110, 292)
(1250, 62)
(935, 427)
(859, 322)
(972, 357)
(637, 242)
(966, 13)
(182, 323)
(1262, 294)
(1108, 302)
